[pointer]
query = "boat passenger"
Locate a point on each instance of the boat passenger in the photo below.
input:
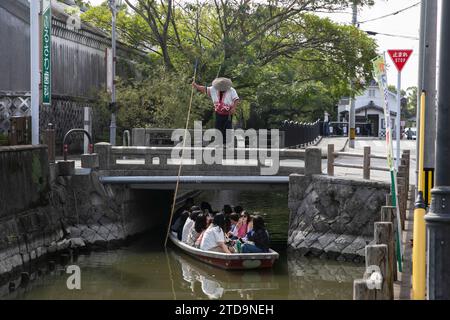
(227, 210)
(177, 227)
(258, 238)
(206, 206)
(189, 224)
(214, 237)
(234, 220)
(209, 220)
(238, 210)
(244, 225)
(197, 230)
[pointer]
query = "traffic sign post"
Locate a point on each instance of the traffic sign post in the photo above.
(400, 58)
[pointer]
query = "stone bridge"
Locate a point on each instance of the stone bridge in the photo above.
(240, 168)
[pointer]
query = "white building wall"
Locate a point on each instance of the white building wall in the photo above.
(372, 93)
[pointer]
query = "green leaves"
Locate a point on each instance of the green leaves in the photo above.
(285, 62)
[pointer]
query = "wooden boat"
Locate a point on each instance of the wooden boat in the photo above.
(234, 261)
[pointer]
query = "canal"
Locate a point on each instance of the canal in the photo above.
(144, 270)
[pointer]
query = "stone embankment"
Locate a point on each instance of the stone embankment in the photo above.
(42, 213)
(333, 218)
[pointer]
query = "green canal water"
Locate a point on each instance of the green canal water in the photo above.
(144, 270)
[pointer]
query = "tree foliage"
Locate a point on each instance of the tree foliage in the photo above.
(285, 62)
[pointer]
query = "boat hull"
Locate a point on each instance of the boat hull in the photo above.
(235, 261)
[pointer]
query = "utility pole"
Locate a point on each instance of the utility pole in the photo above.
(352, 115)
(112, 128)
(427, 83)
(438, 219)
(35, 8)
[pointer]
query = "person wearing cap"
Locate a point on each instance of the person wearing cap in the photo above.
(225, 100)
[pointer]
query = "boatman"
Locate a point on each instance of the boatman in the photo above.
(225, 100)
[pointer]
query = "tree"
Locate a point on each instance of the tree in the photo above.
(285, 62)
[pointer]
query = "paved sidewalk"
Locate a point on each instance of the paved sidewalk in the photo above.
(339, 143)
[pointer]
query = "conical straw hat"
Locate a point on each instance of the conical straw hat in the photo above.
(222, 84)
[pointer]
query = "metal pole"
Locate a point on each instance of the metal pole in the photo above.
(35, 74)
(112, 128)
(438, 219)
(88, 127)
(427, 80)
(419, 250)
(397, 120)
(351, 118)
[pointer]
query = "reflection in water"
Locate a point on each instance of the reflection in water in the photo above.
(145, 270)
(215, 282)
(314, 279)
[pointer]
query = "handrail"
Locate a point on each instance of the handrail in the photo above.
(66, 146)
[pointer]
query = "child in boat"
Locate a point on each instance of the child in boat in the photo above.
(197, 230)
(214, 237)
(189, 224)
(258, 238)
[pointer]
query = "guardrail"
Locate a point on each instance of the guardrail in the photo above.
(147, 157)
(381, 262)
(366, 165)
(300, 135)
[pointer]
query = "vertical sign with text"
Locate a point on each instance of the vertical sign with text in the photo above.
(46, 52)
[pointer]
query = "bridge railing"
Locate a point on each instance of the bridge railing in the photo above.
(111, 158)
(300, 135)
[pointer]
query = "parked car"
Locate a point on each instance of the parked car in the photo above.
(411, 133)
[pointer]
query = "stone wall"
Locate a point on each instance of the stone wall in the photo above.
(24, 178)
(42, 213)
(331, 217)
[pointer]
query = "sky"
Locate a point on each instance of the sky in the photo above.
(406, 23)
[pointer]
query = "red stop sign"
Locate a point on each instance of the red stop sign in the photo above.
(400, 58)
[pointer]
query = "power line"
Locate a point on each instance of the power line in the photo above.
(390, 14)
(374, 33)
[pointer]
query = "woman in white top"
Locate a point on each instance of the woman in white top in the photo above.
(189, 224)
(214, 237)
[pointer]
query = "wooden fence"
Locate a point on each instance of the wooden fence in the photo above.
(382, 252)
(365, 166)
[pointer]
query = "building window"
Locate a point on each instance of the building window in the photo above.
(371, 93)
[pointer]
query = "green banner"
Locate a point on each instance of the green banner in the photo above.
(46, 52)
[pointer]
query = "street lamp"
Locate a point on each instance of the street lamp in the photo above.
(114, 5)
